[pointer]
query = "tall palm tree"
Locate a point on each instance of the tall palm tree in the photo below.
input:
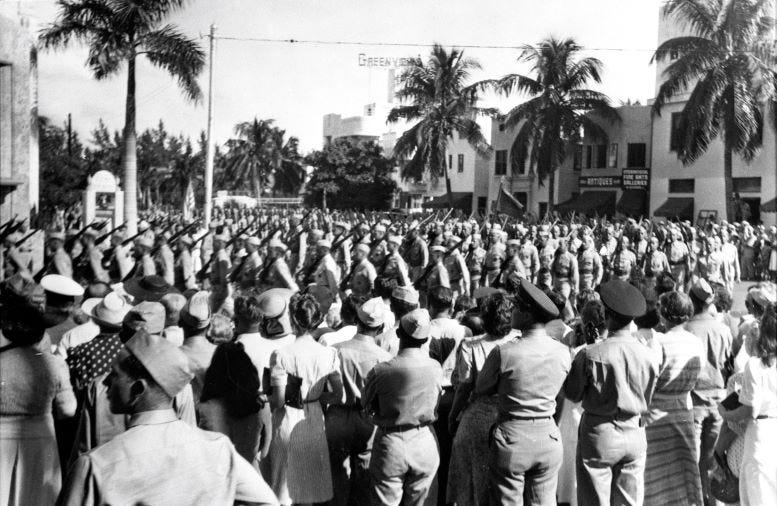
(116, 33)
(729, 68)
(290, 175)
(253, 156)
(560, 108)
(435, 95)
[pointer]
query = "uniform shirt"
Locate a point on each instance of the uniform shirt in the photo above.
(718, 354)
(357, 358)
(614, 378)
(165, 263)
(404, 390)
(162, 460)
(527, 374)
(530, 257)
(363, 277)
(328, 274)
(395, 267)
(418, 253)
(279, 276)
(378, 251)
(623, 263)
(184, 271)
(61, 263)
(590, 263)
(219, 269)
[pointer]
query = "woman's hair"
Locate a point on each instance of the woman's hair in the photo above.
(463, 304)
(767, 343)
(497, 313)
(247, 309)
(723, 301)
(585, 295)
(305, 311)
(22, 324)
(473, 321)
(221, 329)
(675, 307)
(592, 321)
(348, 310)
(233, 378)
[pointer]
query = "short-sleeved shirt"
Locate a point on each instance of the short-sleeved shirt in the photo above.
(527, 374)
(615, 378)
(759, 388)
(472, 355)
(445, 334)
(259, 349)
(162, 460)
(357, 358)
(717, 342)
(309, 361)
(95, 358)
(404, 390)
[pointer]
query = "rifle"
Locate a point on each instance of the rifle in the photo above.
(428, 270)
(68, 245)
(201, 272)
(23, 239)
(11, 229)
(8, 223)
(108, 234)
(129, 240)
(236, 271)
(335, 245)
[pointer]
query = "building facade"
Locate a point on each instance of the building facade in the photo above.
(18, 120)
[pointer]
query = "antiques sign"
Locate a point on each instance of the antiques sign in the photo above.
(600, 181)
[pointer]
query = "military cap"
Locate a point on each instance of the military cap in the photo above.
(362, 247)
(56, 235)
(148, 316)
(277, 244)
(406, 294)
(513, 242)
(145, 242)
(324, 243)
(57, 284)
(395, 239)
(164, 361)
(437, 249)
(623, 298)
(416, 324)
(196, 311)
(221, 237)
(763, 294)
(273, 302)
(372, 312)
(380, 227)
(254, 241)
(702, 292)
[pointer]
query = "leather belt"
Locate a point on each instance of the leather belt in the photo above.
(404, 427)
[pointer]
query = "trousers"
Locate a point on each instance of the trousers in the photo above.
(403, 466)
(526, 456)
(707, 422)
(610, 462)
(349, 434)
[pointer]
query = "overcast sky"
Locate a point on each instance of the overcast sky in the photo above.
(296, 84)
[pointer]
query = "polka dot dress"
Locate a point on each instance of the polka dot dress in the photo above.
(89, 360)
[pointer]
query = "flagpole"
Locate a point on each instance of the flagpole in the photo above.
(210, 143)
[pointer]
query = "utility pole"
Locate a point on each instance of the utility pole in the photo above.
(210, 145)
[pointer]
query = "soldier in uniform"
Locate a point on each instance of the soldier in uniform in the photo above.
(14, 262)
(656, 263)
(530, 257)
(297, 242)
(342, 255)
(378, 245)
(120, 261)
(512, 267)
(475, 260)
(184, 265)
(145, 264)
(493, 263)
(276, 273)
(457, 269)
(60, 260)
(327, 273)
(546, 247)
(394, 265)
(363, 274)
(438, 274)
(89, 267)
(250, 265)
(607, 249)
(220, 268)
(417, 252)
(623, 262)
(402, 395)
(565, 272)
(165, 259)
(679, 259)
(730, 255)
(589, 264)
(641, 245)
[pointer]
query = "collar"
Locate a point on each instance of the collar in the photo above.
(534, 333)
(155, 417)
(412, 352)
(704, 315)
(623, 333)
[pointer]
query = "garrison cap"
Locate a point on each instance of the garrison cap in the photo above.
(196, 313)
(164, 361)
(371, 313)
(416, 324)
(405, 294)
(702, 292)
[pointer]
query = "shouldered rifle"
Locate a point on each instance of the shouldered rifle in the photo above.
(8, 223)
(201, 272)
(68, 245)
(24, 239)
(312, 269)
(106, 235)
(11, 229)
(238, 269)
(428, 270)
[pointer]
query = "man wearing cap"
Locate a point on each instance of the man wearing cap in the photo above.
(730, 256)
(530, 256)
(565, 271)
(342, 255)
(250, 265)
(589, 263)
(363, 274)
(615, 379)
(402, 395)
(495, 257)
(624, 261)
(438, 273)
(679, 259)
(327, 273)
(219, 273)
(159, 459)
(120, 261)
(60, 261)
(349, 429)
(710, 387)
(145, 265)
(475, 260)
(394, 265)
(457, 268)
(164, 258)
(184, 274)
(378, 245)
(61, 294)
(89, 264)
(276, 273)
(195, 321)
(526, 374)
(13, 259)
(417, 252)
(403, 300)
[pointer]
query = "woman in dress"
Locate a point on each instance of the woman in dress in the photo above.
(671, 469)
(468, 473)
(591, 329)
(304, 375)
(231, 402)
(33, 384)
(758, 472)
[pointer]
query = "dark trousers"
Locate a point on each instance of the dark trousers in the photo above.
(610, 462)
(707, 422)
(349, 435)
(525, 459)
(445, 440)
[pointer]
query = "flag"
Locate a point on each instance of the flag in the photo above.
(188, 202)
(507, 204)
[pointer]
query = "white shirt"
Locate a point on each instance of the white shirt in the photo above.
(343, 334)
(75, 336)
(759, 388)
(259, 348)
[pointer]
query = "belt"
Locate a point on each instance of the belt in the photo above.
(405, 427)
(508, 418)
(679, 262)
(764, 417)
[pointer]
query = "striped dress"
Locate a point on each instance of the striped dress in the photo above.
(671, 471)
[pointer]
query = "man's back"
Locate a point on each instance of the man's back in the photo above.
(161, 460)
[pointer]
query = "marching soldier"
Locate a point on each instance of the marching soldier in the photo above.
(623, 261)
(641, 245)
(89, 266)
(512, 266)
(60, 260)
(219, 273)
(327, 273)
(276, 273)
(656, 263)
(14, 262)
(589, 264)
(248, 270)
(493, 263)
(394, 265)
(184, 265)
(457, 269)
(546, 247)
(530, 257)
(438, 275)
(679, 259)
(297, 242)
(378, 245)
(417, 252)
(342, 256)
(120, 261)
(565, 272)
(165, 259)
(145, 264)
(363, 274)
(475, 261)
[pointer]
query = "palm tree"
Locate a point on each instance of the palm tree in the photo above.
(436, 96)
(728, 66)
(116, 33)
(559, 111)
(290, 176)
(253, 156)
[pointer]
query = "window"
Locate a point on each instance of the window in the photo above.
(577, 160)
(589, 155)
(612, 156)
(601, 156)
(635, 154)
(500, 164)
(675, 138)
(682, 185)
(747, 184)
(522, 197)
(461, 163)
(450, 162)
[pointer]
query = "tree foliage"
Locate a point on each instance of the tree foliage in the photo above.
(63, 167)
(350, 175)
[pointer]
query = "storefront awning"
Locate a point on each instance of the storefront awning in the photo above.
(770, 206)
(679, 207)
(632, 203)
(461, 200)
(590, 202)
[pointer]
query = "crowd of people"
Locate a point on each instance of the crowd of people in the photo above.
(307, 357)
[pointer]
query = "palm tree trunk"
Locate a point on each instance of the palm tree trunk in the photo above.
(551, 190)
(323, 200)
(448, 186)
(130, 159)
(728, 183)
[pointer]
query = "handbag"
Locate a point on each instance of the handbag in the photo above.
(724, 486)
